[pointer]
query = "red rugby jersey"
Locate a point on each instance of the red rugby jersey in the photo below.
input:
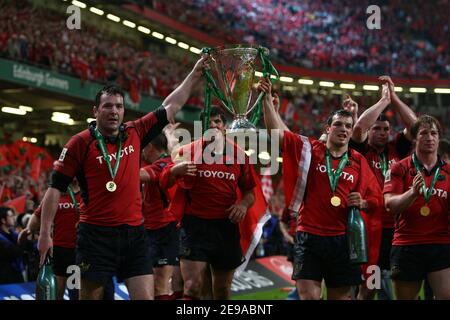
(317, 215)
(214, 189)
(410, 226)
(395, 150)
(156, 201)
(82, 158)
(66, 218)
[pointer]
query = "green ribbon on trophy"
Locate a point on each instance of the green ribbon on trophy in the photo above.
(110, 185)
(230, 80)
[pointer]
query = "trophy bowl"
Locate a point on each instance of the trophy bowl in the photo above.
(232, 75)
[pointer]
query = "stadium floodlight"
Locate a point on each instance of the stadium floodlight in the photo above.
(26, 108)
(25, 139)
(183, 45)
(33, 140)
(441, 90)
(306, 81)
(258, 74)
(264, 155)
(129, 24)
(144, 29)
(61, 115)
(157, 35)
(170, 40)
(89, 120)
(417, 90)
(19, 112)
(369, 87)
(357, 93)
(195, 50)
(68, 121)
(347, 86)
(286, 79)
(96, 11)
(273, 76)
(80, 4)
(279, 159)
(326, 84)
(112, 17)
(398, 89)
(334, 91)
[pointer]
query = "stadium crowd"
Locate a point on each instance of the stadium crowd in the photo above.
(330, 35)
(89, 55)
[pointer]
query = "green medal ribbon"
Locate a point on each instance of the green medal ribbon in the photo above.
(334, 178)
(74, 200)
(426, 195)
(102, 145)
(384, 164)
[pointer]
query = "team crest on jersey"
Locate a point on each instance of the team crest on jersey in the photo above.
(441, 177)
(62, 155)
(162, 165)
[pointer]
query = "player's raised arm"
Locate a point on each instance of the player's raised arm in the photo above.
(407, 115)
(181, 94)
(272, 118)
(368, 117)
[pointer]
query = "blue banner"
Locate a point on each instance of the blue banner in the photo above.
(26, 291)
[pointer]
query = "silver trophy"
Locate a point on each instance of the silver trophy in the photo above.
(231, 79)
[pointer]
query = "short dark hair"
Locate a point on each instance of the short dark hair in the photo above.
(4, 212)
(215, 111)
(382, 117)
(425, 120)
(339, 113)
(160, 142)
(444, 147)
(110, 90)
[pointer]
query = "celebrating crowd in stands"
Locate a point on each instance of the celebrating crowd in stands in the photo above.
(330, 35)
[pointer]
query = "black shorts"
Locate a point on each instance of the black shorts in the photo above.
(164, 245)
(63, 258)
(385, 248)
(318, 257)
(216, 241)
(414, 262)
(103, 252)
(290, 252)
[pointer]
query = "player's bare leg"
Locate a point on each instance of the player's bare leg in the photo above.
(309, 289)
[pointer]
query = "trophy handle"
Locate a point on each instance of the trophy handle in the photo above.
(260, 96)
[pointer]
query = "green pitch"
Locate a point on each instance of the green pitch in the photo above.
(275, 294)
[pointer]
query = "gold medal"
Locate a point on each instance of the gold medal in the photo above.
(425, 211)
(111, 186)
(335, 201)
